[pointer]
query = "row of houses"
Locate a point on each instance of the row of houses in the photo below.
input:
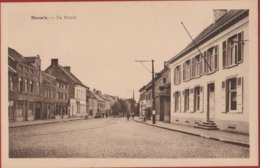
(53, 93)
(206, 84)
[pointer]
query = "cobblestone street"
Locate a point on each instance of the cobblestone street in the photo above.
(113, 138)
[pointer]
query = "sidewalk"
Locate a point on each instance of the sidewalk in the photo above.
(38, 122)
(218, 135)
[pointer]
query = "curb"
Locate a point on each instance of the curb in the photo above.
(44, 123)
(201, 135)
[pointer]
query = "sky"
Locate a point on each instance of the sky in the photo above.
(104, 39)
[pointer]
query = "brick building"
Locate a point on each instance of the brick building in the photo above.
(24, 87)
(71, 92)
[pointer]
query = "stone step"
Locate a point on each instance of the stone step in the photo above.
(207, 123)
(206, 127)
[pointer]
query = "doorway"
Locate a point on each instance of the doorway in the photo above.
(211, 102)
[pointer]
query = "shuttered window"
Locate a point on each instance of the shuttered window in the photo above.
(232, 50)
(232, 95)
(186, 100)
(176, 101)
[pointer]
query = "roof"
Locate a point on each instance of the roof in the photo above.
(16, 55)
(10, 69)
(104, 97)
(31, 59)
(48, 81)
(72, 77)
(98, 97)
(227, 20)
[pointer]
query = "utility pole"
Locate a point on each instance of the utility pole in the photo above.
(153, 85)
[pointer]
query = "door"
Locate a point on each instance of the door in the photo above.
(211, 101)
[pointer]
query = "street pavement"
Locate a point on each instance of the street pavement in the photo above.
(113, 138)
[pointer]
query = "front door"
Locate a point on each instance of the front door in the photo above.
(211, 101)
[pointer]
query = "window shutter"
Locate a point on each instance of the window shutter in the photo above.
(179, 75)
(240, 94)
(193, 67)
(201, 99)
(184, 71)
(202, 65)
(182, 102)
(173, 100)
(191, 107)
(223, 97)
(205, 63)
(240, 47)
(224, 54)
(179, 110)
(216, 57)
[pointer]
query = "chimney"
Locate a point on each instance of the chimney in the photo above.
(54, 61)
(67, 68)
(218, 13)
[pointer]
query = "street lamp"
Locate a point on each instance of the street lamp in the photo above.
(153, 85)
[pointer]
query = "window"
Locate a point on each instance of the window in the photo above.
(197, 66)
(177, 75)
(233, 50)
(26, 69)
(176, 98)
(31, 86)
(20, 67)
(197, 98)
(211, 57)
(232, 95)
(11, 83)
(38, 87)
(20, 85)
(164, 80)
(186, 70)
(25, 86)
(186, 100)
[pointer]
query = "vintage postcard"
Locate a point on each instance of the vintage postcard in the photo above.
(129, 84)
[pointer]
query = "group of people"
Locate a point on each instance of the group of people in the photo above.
(128, 116)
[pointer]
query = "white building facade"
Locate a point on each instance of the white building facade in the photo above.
(78, 104)
(214, 93)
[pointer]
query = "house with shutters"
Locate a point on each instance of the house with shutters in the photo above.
(209, 78)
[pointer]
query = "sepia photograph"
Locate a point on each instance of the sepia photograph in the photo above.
(129, 84)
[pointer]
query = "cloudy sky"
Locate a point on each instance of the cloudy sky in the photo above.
(104, 39)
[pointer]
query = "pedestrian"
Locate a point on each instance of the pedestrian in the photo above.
(133, 115)
(127, 116)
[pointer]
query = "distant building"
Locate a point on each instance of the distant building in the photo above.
(76, 90)
(24, 87)
(213, 94)
(92, 104)
(142, 101)
(163, 95)
(101, 104)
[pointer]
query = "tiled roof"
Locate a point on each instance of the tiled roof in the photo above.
(15, 55)
(98, 97)
(226, 21)
(47, 81)
(72, 77)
